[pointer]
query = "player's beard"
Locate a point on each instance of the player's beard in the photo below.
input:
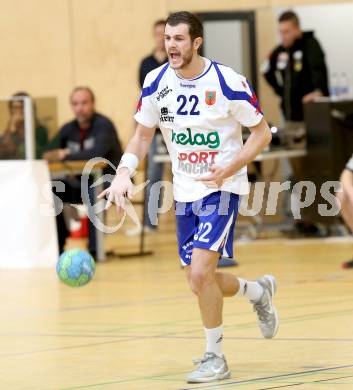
(186, 60)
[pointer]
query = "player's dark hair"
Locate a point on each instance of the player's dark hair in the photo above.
(82, 88)
(289, 16)
(194, 23)
(159, 22)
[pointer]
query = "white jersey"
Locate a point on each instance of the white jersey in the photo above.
(201, 121)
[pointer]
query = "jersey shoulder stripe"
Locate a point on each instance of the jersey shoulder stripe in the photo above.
(152, 88)
(231, 94)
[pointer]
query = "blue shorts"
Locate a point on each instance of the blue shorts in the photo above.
(207, 223)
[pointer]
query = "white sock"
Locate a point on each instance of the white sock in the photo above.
(250, 290)
(214, 339)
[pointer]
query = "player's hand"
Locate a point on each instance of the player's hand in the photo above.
(215, 179)
(120, 188)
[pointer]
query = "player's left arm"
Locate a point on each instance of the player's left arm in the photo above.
(260, 137)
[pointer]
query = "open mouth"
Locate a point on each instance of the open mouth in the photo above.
(174, 56)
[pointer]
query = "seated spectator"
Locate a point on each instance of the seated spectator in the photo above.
(346, 199)
(88, 136)
(12, 141)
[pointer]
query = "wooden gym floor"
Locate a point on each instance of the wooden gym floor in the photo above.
(136, 325)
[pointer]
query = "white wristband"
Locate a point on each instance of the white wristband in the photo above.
(129, 161)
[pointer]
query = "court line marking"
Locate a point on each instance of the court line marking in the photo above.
(176, 298)
(242, 326)
(245, 325)
(306, 383)
(127, 338)
(125, 303)
(155, 377)
(133, 338)
(122, 336)
(279, 387)
(248, 324)
(144, 302)
(298, 241)
(268, 377)
(295, 319)
(160, 377)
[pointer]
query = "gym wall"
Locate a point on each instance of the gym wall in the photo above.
(52, 46)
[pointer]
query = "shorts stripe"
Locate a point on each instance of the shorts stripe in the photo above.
(216, 246)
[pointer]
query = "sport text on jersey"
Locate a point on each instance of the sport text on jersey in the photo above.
(196, 162)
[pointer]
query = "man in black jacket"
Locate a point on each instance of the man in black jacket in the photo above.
(297, 72)
(88, 136)
(296, 68)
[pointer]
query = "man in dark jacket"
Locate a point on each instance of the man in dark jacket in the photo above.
(88, 136)
(296, 69)
(297, 72)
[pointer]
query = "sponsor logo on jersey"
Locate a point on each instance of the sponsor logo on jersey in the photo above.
(198, 157)
(210, 139)
(196, 162)
(163, 93)
(164, 117)
(187, 85)
(210, 98)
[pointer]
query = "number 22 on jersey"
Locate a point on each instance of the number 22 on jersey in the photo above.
(183, 100)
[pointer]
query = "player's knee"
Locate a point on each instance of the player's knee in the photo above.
(198, 279)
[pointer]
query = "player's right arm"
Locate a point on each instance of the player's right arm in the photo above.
(135, 151)
(147, 117)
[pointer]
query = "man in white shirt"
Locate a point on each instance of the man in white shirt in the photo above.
(200, 106)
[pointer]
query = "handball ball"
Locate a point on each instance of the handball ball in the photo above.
(75, 267)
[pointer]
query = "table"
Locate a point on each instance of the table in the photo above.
(58, 169)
